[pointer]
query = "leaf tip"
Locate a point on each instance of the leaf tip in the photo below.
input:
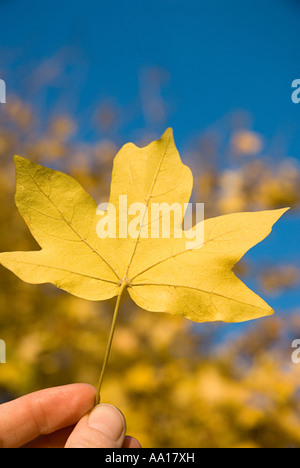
(19, 160)
(167, 134)
(282, 211)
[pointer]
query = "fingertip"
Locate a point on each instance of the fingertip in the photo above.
(103, 427)
(109, 420)
(131, 442)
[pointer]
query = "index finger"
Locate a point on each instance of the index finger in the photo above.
(43, 412)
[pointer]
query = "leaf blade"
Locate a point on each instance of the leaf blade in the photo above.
(162, 275)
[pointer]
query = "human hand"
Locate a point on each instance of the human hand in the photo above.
(62, 417)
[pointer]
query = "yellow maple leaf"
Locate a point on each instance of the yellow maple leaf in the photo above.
(160, 272)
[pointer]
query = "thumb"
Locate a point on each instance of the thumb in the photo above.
(103, 427)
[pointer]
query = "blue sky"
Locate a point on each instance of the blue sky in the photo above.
(220, 55)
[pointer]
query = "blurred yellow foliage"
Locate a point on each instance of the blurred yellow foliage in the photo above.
(176, 384)
(246, 142)
(282, 277)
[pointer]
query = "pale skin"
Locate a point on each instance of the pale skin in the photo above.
(63, 417)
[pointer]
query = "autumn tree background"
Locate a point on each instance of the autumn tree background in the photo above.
(179, 384)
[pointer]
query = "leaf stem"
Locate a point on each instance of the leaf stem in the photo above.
(109, 343)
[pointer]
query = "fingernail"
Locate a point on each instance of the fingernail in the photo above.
(108, 420)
